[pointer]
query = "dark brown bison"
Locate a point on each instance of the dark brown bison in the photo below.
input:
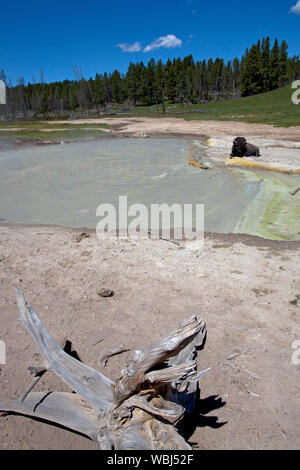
(241, 149)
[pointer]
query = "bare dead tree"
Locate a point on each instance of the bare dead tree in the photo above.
(81, 89)
(140, 410)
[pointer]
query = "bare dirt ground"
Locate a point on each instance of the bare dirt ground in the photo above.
(241, 285)
(155, 126)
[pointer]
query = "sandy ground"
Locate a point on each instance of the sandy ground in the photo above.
(241, 285)
(279, 155)
(153, 126)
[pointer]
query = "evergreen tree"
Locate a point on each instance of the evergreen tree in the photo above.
(161, 84)
(133, 82)
(149, 94)
(236, 75)
(283, 64)
(252, 72)
(99, 93)
(171, 81)
(274, 64)
(181, 83)
(266, 64)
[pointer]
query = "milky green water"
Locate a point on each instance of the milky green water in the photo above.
(274, 212)
(64, 184)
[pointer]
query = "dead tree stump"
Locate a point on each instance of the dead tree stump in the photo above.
(140, 411)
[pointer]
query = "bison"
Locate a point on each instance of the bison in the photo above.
(241, 149)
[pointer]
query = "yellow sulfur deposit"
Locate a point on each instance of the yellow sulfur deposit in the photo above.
(243, 162)
(197, 163)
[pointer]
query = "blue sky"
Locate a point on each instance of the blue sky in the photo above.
(101, 36)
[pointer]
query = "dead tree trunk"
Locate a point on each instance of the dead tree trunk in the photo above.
(139, 411)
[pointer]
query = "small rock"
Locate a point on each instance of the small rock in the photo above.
(81, 237)
(205, 165)
(106, 293)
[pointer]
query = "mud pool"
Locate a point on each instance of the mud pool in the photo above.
(64, 184)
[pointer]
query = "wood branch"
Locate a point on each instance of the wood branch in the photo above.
(151, 435)
(164, 239)
(171, 374)
(86, 381)
(139, 411)
(63, 408)
(133, 376)
(186, 391)
(142, 431)
(38, 372)
(165, 436)
(167, 410)
(113, 352)
(131, 439)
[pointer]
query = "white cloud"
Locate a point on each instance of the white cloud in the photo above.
(170, 41)
(296, 8)
(136, 47)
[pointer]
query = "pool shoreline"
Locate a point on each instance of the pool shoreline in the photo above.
(64, 185)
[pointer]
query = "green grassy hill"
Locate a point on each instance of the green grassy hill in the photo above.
(274, 107)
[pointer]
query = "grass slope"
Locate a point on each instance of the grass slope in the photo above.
(274, 107)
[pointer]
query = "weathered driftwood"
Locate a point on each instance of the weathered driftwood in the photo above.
(113, 352)
(139, 411)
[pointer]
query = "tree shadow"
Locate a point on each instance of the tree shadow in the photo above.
(69, 350)
(198, 417)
